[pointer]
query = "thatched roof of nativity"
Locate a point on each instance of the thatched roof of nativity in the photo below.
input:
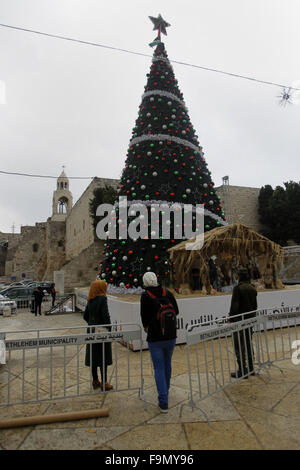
(224, 242)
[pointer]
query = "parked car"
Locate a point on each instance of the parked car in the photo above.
(45, 285)
(27, 282)
(32, 284)
(21, 295)
(6, 302)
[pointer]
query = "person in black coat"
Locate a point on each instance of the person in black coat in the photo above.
(243, 300)
(38, 298)
(96, 313)
(161, 342)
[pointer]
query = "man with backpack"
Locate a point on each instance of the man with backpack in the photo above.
(158, 313)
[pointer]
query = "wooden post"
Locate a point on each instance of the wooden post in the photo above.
(54, 418)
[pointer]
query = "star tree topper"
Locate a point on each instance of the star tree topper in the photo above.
(160, 24)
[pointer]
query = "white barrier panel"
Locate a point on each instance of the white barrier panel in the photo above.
(193, 310)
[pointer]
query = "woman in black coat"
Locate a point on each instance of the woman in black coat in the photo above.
(96, 313)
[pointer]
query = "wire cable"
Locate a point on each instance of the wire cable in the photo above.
(46, 176)
(95, 44)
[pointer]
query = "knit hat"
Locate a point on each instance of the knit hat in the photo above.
(150, 279)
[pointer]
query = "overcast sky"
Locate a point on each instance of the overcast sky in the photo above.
(75, 105)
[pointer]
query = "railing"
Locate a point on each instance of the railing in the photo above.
(49, 364)
(220, 353)
(28, 302)
(65, 303)
(291, 250)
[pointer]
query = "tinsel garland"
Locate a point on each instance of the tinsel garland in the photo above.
(177, 140)
(111, 289)
(170, 204)
(166, 94)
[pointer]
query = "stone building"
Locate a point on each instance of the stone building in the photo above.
(66, 241)
(240, 204)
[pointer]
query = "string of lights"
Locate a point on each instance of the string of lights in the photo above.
(95, 44)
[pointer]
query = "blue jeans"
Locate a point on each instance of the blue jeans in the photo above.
(161, 355)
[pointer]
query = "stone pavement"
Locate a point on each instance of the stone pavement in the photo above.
(262, 412)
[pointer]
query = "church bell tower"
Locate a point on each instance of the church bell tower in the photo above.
(62, 199)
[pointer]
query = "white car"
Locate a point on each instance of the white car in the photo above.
(6, 302)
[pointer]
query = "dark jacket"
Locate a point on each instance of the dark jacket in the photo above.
(244, 299)
(38, 296)
(96, 313)
(149, 309)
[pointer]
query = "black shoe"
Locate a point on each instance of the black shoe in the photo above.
(239, 374)
(163, 407)
(96, 384)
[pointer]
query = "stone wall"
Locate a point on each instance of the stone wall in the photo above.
(241, 205)
(3, 255)
(290, 271)
(6, 240)
(37, 251)
(79, 226)
(83, 269)
(55, 247)
(27, 254)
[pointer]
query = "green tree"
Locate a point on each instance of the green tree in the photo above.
(279, 212)
(264, 198)
(101, 195)
(164, 163)
(292, 223)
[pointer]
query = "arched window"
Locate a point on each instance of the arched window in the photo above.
(62, 205)
(35, 247)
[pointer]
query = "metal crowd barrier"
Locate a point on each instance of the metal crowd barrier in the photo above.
(28, 303)
(49, 364)
(64, 303)
(278, 329)
(248, 343)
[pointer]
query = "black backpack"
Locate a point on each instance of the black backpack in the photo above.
(166, 315)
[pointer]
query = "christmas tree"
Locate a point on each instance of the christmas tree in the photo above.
(165, 163)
